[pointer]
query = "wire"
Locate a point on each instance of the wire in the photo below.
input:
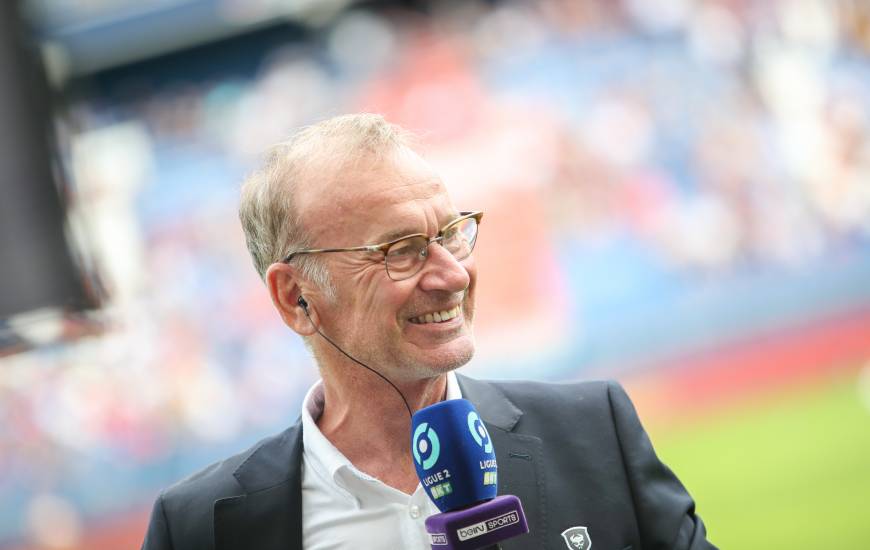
(360, 363)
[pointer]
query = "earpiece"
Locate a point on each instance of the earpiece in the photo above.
(302, 303)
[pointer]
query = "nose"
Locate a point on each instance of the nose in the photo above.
(442, 271)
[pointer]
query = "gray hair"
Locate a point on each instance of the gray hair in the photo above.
(268, 211)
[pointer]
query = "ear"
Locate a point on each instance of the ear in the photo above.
(285, 288)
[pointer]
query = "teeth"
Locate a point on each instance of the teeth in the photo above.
(437, 317)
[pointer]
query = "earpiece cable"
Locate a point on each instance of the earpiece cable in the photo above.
(304, 307)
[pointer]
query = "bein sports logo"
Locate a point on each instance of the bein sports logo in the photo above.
(426, 444)
(487, 526)
(478, 432)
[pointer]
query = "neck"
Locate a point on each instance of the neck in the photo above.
(366, 420)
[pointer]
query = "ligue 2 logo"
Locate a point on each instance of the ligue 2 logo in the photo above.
(478, 432)
(429, 444)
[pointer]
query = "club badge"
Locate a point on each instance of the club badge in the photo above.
(577, 538)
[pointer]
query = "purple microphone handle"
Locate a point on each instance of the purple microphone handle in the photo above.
(479, 526)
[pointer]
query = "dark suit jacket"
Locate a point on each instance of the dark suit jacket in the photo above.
(575, 455)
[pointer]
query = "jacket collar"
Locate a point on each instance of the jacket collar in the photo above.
(492, 405)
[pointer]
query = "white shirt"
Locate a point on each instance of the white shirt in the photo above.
(346, 509)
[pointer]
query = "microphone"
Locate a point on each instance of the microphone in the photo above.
(456, 464)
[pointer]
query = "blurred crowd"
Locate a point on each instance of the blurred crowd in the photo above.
(691, 142)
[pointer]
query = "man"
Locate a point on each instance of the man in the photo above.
(366, 257)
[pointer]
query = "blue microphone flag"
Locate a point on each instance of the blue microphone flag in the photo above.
(453, 455)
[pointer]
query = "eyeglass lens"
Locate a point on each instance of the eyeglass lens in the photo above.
(406, 257)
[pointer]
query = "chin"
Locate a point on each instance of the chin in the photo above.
(441, 361)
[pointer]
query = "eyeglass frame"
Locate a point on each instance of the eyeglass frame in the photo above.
(384, 247)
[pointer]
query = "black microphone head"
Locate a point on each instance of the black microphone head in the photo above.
(302, 303)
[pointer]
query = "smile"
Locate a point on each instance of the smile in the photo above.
(437, 317)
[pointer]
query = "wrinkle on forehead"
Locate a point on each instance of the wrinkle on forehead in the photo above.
(398, 192)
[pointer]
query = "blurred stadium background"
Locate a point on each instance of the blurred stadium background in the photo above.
(677, 195)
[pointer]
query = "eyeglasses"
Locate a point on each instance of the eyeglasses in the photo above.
(405, 256)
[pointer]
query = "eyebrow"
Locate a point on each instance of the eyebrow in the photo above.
(399, 233)
(395, 234)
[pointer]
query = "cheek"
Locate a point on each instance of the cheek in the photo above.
(397, 303)
(387, 304)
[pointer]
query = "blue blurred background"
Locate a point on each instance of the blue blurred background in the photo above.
(677, 195)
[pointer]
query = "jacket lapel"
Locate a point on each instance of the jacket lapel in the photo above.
(268, 515)
(520, 471)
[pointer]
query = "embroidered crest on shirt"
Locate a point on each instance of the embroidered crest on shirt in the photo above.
(577, 538)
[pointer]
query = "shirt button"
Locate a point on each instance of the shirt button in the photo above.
(414, 512)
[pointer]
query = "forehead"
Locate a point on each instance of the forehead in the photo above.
(352, 205)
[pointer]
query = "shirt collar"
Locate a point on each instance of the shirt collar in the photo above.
(320, 454)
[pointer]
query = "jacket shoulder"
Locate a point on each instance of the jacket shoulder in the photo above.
(186, 508)
(532, 396)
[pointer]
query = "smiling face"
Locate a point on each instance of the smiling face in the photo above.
(411, 329)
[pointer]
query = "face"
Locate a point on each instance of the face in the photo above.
(390, 325)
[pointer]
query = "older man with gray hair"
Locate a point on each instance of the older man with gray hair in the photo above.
(367, 258)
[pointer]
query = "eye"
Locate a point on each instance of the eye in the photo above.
(402, 249)
(407, 248)
(405, 257)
